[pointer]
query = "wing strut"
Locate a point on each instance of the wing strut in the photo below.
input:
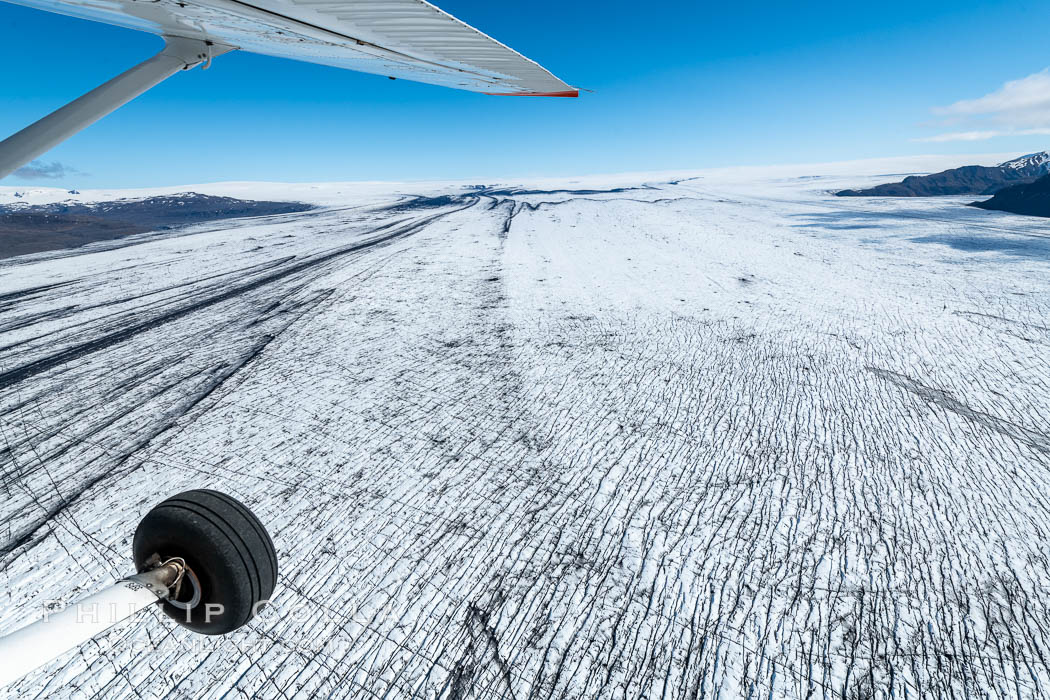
(39, 137)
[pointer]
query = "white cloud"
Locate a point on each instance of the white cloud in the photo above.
(39, 170)
(1023, 99)
(983, 135)
(962, 136)
(1019, 107)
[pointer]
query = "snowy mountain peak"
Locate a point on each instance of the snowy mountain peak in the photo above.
(1039, 161)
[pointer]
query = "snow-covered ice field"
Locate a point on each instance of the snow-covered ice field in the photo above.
(727, 436)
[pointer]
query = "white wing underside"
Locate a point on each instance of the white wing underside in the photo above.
(409, 39)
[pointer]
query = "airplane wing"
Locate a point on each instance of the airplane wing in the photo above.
(409, 39)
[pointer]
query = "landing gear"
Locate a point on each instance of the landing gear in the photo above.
(231, 565)
(202, 555)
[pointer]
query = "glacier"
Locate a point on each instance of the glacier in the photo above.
(711, 434)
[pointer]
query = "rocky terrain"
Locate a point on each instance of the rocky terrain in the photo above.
(1031, 199)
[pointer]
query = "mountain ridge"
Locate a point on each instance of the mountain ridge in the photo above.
(968, 179)
(32, 228)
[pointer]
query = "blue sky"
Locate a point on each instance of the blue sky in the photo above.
(676, 86)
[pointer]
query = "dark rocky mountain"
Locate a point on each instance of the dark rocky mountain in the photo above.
(28, 228)
(969, 179)
(1032, 199)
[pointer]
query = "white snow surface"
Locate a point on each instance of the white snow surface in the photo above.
(720, 437)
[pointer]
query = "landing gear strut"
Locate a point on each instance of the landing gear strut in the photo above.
(39, 137)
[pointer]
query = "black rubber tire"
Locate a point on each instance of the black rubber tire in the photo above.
(225, 546)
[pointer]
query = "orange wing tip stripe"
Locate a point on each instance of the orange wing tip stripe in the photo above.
(563, 93)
